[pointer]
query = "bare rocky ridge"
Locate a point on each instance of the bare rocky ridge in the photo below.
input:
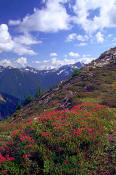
(105, 58)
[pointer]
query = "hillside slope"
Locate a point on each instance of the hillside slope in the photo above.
(49, 137)
(96, 85)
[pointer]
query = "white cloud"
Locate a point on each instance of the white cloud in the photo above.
(51, 18)
(73, 54)
(22, 50)
(19, 62)
(14, 22)
(71, 37)
(26, 39)
(82, 44)
(99, 37)
(6, 42)
(55, 63)
(86, 59)
(82, 37)
(18, 45)
(91, 15)
(22, 61)
(74, 36)
(5, 63)
(53, 54)
(104, 18)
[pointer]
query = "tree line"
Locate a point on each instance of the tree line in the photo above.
(29, 98)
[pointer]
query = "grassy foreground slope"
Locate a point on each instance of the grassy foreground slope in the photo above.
(79, 141)
(52, 137)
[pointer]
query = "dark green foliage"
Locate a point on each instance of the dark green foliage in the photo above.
(28, 99)
(75, 72)
(19, 106)
(38, 92)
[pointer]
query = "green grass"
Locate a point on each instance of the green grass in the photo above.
(61, 142)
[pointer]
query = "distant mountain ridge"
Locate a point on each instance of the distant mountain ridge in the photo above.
(20, 82)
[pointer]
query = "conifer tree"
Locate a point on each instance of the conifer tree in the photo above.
(38, 92)
(75, 72)
(28, 99)
(19, 106)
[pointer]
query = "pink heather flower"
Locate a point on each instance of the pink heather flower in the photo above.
(28, 123)
(89, 129)
(57, 127)
(5, 171)
(44, 134)
(14, 133)
(25, 156)
(78, 131)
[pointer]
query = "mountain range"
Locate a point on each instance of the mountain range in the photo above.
(18, 83)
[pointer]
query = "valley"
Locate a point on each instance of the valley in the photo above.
(19, 83)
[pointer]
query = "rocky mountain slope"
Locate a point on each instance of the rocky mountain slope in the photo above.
(95, 84)
(105, 58)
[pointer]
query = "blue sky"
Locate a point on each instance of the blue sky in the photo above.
(49, 33)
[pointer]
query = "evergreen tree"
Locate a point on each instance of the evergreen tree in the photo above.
(19, 106)
(75, 72)
(38, 92)
(28, 99)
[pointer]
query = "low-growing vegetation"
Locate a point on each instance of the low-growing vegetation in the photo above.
(63, 142)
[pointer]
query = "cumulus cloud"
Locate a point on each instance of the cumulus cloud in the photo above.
(18, 45)
(82, 44)
(22, 50)
(19, 62)
(73, 54)
(14, 22)
(53, 54)
(104, 15)
(74, 36)
(5, 63)
(99, 37)
(54, 63)
(91, 15)
(86, 60)
(6, 42)
(51, 18)
(26, 39)
(22, 61)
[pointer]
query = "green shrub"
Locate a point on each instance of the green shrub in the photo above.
(28, 99)
(75, 72)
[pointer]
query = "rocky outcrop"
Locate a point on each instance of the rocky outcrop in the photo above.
(105, 58)
(2, 99)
